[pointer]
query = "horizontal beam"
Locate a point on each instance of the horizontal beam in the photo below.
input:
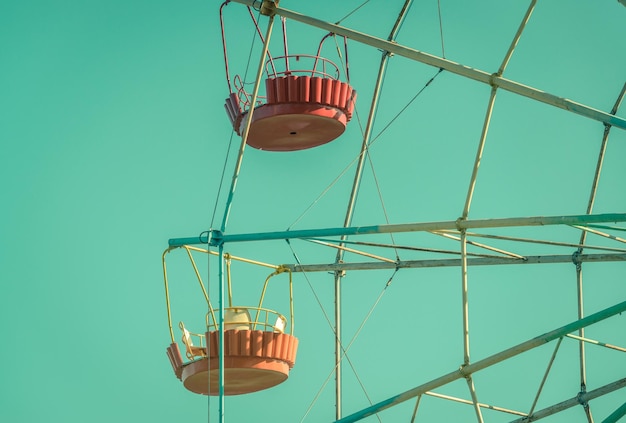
(477, 75)
(216, 237)
(411, 264)
(466, 371)
(573, 402)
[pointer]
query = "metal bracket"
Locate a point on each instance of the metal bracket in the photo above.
(576, 259)
(268, 8)
(581, 398)
(215, 238)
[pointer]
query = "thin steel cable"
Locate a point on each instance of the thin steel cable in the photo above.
(443, 50)
(345, 350)
(582, 241)
(208, 286)
(342, 60)
(317, 299)
(221, 183)
(371, 119)
(333, 330)
(382, 201)
(342, 173)
(406, 106)
(354, 10)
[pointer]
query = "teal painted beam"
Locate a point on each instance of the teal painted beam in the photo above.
(616, 415)
(582, 397)
(427, 226)
(195, 240)
(217, 237)
(466, 371)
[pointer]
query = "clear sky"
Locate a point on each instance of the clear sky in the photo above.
(114, 139)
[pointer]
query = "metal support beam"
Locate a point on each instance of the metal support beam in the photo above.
(481, 405)
(411, 264)
(616, 415)
(487, 362)
(220, 346)
(601, 344)
(217, 237)
(358, 174)
(573, 402)
(477, 75)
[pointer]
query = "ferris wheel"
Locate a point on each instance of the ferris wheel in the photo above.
(444, 204)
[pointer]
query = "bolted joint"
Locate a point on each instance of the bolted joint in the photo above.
(581, 398)
(268, 7)
(493, 78)
(215, 238)
(463, 372)
(282, 269)
(577, 259)
(340, 273)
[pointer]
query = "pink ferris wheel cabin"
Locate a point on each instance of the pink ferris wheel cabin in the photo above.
(306, 104)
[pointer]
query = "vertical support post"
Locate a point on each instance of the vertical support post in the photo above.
(581, 333)
(350, 209)
(465, 305)
(220, 351)
(338, 346)
(576, 257)
(348, 219)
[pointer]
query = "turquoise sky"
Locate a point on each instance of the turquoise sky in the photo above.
(114, 139)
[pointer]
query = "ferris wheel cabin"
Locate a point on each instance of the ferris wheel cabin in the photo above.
(299, 111)
(254, 359)
(305, 103)
(259, 348)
